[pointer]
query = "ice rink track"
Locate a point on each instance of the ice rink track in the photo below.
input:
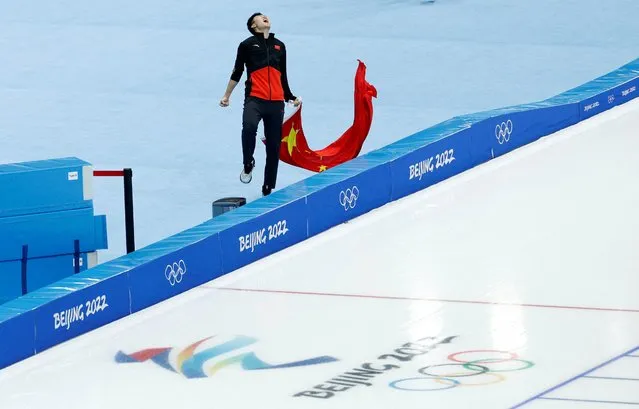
(513, 284)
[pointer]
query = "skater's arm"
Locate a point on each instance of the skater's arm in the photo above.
(230, 87)
(236, 75)
(225, 101)
(288, 95)
(238, 68)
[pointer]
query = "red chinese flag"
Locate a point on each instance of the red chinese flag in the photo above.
(295, 150)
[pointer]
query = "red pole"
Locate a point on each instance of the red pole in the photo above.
(108, 173)
(127, 174)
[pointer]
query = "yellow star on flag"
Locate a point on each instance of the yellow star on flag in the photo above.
(322, 168)
(291, 140)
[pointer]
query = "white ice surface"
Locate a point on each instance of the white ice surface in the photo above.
(532, 254)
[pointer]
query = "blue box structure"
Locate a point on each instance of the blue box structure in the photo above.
(40, 272)
(51, 234)
(45, 186)
(109, 291)
(48, 230)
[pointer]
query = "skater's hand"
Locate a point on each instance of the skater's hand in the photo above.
(224, 102)
(297, 102)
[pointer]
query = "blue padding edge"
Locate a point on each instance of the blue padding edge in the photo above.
(112, 290)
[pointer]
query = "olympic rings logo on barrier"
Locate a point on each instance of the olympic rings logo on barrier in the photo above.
(174, 272)
(503, 131)
(348, 198)
(471, 371)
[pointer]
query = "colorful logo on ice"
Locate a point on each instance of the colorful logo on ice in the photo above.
(199, 361)
(465, 368)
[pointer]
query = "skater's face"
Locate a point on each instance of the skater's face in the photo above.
(261, 23)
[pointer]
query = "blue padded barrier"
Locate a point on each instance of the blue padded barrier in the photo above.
(17, 335)
(73, 306)
(428, 164)
(603, 93)
(261, 228)
(348, 191)
(169, 274)
(218, 246)
(627, 91)
(497, 132)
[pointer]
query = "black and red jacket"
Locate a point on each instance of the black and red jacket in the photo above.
(265, 61)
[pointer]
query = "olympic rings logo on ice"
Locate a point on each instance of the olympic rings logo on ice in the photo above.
(348, 198)
(466, 368)
(174, 272)
(503, 131)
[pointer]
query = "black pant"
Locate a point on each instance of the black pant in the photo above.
(272, 112)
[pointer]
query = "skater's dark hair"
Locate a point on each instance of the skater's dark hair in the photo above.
(249, 22)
